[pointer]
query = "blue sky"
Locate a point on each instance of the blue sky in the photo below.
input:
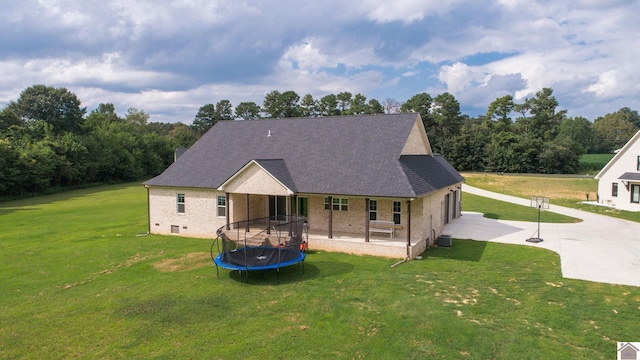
(168, 58)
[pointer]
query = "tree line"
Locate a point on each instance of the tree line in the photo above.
(532, 136)
(49, 142)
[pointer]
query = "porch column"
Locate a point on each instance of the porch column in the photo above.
(408, 225)
(366, 220)
(330, 217)
(226, 208)
(290, 218)
(269, 224)
(247, 212)
(295, 212)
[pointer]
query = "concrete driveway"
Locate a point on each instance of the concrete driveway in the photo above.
(600, 248)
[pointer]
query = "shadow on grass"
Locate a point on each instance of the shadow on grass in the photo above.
(465, 250)
(8, 210)
(31, 201)
(290, 274)
(492, 216)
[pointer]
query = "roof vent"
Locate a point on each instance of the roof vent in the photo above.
(269, 133)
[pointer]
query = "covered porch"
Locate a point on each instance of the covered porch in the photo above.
(326, 229)
(350, 224)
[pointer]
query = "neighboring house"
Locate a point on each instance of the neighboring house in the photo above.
(343, 173)
(619, 180)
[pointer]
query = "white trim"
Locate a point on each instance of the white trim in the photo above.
(394, 212)
(218, 206)
(246, 166)
(618, 155)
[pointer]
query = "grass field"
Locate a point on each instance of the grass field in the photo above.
(76, 282)
(500, 210)
(563, 191)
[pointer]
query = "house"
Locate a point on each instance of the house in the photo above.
(619, 180)
(368, 178)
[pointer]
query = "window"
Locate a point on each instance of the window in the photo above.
(344, 204)
(638, 164)
(614, 189)
(337, 204)
(635, 194)
(373, 209)
(180, 203)
(175, 229)
(222, 206)
(397, 212)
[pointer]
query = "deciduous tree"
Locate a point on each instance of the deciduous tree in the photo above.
(56, 106)
(613, 130)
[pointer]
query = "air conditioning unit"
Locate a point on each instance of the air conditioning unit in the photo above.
(444, 240)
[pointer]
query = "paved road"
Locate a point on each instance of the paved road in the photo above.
(600, 248)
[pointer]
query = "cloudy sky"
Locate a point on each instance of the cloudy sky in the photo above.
(168, 58)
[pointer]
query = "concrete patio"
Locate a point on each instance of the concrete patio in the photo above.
(600, 248)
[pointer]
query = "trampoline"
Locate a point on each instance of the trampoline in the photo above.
(261, 244)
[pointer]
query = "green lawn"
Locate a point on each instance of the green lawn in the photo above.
(76, 282)
(501, 210)
(564, 191)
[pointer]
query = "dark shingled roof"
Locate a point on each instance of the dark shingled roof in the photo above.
(342, 155)
(633, 176)
(427, 174)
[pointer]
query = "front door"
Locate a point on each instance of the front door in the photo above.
(278, 207)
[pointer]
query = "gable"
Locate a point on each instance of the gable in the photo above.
(625, 160)
(255, 179)
(417, 143)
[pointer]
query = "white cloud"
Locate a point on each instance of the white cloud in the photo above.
(616, 82)
(406, 11)
(307, 58)
(315, 54)
(457, 76)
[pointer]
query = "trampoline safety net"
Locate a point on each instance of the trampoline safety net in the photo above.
(261, 244)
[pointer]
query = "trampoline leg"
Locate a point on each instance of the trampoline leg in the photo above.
(217, 272)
